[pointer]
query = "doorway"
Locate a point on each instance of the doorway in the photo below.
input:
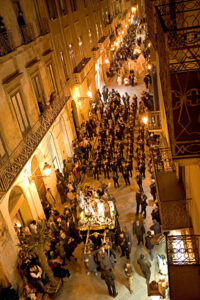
(19, 208)
(39, 182)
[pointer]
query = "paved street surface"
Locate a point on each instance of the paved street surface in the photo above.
(80, 285)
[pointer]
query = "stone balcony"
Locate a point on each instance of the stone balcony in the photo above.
(95, 53)
(16, 161)
(82, 69)
(103, 42)
(154, 121)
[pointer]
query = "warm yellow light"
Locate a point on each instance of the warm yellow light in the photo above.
(149, 44)
(149, 67)
(89, 93)
(126, 25)
(145, 120)
(106, 61)
(47, 169)
(133, 9)
(123, 32)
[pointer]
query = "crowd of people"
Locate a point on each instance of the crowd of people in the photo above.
(108, 145)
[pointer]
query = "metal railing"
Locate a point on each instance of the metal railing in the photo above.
(6, 43)
(183, 249)
(154, 122)
(27, 32)
(162, 160)
(22, 153)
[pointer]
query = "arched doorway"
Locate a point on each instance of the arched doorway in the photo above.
(39, 182)
(75, 116)
(18, 207)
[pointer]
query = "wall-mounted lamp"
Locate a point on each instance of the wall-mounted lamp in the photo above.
(46, 171)
(145, 120)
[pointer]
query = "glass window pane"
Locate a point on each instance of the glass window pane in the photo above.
(23, 113)
(18, 114)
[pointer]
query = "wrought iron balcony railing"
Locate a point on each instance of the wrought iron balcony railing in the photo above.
(154, 122)
(95, 52)
(6, 43)
(183, 249)
(162, 159)
(19, 157)
(27, 32)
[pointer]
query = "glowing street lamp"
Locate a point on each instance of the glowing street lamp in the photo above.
(145, 120)
(106, 61)
(89, 93)
(46, 169)
(133, 9)
(149, 67)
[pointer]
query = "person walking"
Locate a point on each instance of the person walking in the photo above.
(138, 198)
(148, 244)
(153, 189)
(128, 270)
(139, 231)
(109, 278)
(145, 267)
(143, 205)
(115, 180)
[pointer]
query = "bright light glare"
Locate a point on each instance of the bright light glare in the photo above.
(107, 61)
(145, 120)
(89, 93)
(47, 169)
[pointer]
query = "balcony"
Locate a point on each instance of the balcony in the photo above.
(174, 32)
(27, 32)
(171, 195)
(6, 43)
(154, 121)
(44, 26)
(95, 53)
(20, 156)
(81, 70)
(183, 266)
(103, 42)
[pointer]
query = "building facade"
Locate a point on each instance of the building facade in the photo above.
(52, 57)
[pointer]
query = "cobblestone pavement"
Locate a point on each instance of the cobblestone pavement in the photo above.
(80, 285)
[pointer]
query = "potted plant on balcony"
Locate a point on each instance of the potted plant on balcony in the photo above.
(37, 244)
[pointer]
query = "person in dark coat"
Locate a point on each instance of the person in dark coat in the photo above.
(156, 227)
(90, 263)
(115, 180)
(148, 244)
(145, 267)
(139, 181)
(61, 191)
(138, 198)
(143, 205)
(109, 278)
(153, 190)
(139, 231)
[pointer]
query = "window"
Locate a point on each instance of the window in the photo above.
(20, 112)
(73, 5)
(80, 43)
(52, 77)
(51, 5)
(72, 57)
(63, 7)
(38, 91)
(64, 64)
(3, 152)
